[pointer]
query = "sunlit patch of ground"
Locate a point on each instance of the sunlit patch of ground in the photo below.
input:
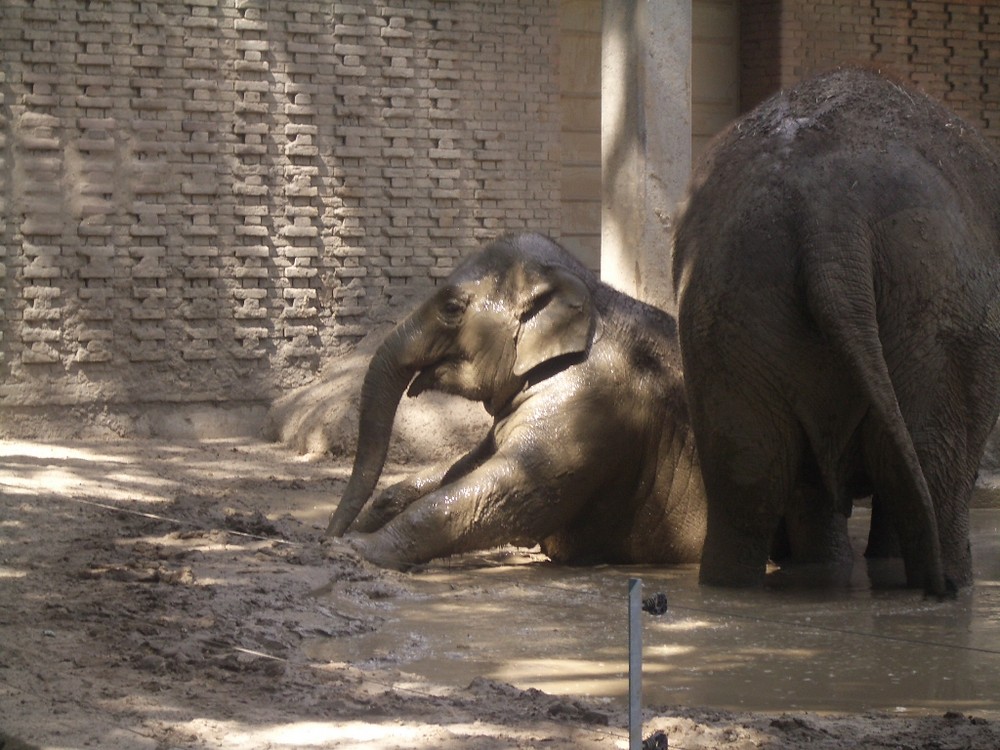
(160, 594)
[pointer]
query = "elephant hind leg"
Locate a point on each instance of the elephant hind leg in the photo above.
(748, 475)
(817, 531)
(943, 411)
(951, 479)
(843, 303)
(737, 543)
(895, 482)
(951, 419)
(815, 545)
(883, 541)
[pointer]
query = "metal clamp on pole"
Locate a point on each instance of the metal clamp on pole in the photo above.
(655, 605)
(634, 664)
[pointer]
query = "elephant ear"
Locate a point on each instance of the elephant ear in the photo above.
(558, 319)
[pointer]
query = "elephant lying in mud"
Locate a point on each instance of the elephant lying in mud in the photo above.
(838, 275)
(590, 454)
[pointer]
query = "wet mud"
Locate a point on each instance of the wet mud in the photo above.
(162, 594)
(563, 630)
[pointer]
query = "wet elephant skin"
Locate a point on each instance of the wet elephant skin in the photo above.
(590, 454)
(838, 277)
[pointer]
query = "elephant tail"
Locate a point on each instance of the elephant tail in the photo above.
(840, 286)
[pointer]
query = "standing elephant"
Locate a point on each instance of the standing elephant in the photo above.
(590, 454)
(838, 275)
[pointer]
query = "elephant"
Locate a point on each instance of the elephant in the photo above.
(590, 454)
(837, 275)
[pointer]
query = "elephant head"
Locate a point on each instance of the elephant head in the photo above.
(503, 313)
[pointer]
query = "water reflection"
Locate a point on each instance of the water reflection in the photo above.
(563, 630)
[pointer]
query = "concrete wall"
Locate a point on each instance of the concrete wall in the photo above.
(949, 49)
(715, 100)
(202, 199)
(645, 141)
(715, 69)
(580, 100)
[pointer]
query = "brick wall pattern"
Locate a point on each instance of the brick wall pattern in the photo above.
(949, 49)
(203, 199)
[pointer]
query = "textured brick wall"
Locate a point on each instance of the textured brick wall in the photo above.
(200, 199)
(949, 49)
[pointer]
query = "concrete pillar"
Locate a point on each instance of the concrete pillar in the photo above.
(645, 140)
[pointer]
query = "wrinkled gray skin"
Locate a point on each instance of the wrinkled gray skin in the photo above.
(838, 273)
(590, 454)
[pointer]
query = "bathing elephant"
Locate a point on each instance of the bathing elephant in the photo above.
(838, 276)
(590, 454)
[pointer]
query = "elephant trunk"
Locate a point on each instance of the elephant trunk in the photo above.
(389, 372)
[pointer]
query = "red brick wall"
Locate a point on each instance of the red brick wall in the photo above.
(949, 49)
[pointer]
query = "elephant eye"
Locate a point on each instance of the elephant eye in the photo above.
(453, 308)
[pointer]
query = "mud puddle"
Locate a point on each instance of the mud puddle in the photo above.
(564, 631)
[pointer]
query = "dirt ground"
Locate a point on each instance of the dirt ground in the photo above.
(159, 594)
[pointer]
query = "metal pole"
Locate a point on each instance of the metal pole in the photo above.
(635, 664)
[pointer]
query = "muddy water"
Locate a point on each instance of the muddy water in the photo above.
(563, 630)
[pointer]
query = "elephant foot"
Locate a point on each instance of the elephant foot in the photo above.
(933, 579)
(891, 573)
(340, 550)
(354, 551)
(958, 565)
(939, 587)
(883, 548)
(886, 572)
(828, 575)
(732, 575)
(372, 549)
